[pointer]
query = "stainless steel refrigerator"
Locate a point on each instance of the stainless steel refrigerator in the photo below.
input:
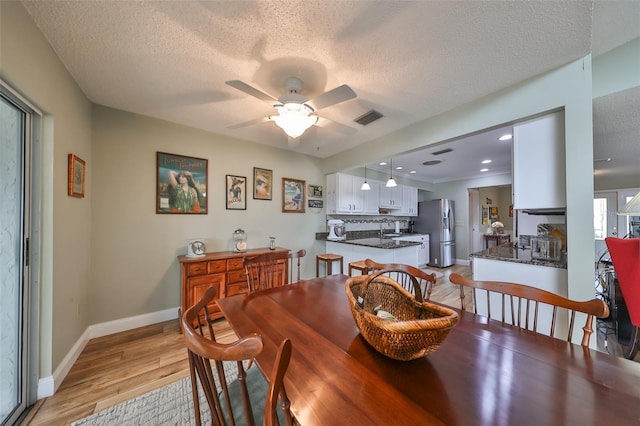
(437, 219)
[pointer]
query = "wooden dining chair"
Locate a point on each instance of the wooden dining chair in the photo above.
(520, 305)
(294, 264)
(412, 279)
(241, 400)
(266, 271)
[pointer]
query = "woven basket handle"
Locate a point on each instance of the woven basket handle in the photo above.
(417, 293)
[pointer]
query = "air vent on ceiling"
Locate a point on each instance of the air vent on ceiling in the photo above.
(368, 117)
(444, 151)
(431, 162)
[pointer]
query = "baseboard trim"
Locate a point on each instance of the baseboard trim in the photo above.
(464, 262)
(47, 386)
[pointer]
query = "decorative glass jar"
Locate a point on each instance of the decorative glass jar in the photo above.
(239, 240)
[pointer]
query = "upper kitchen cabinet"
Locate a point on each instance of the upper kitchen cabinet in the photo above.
(409, 201)
(391, 198)
(539, 163)
(344, 195)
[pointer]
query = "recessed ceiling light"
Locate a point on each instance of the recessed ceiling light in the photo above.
(484, 170)
(383, 163)
(399, 168)
(412, 171)
(485, 161)
(505, 137)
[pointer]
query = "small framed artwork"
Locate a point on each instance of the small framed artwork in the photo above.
(262, 183)
(181, 184)
(485, 215)
(293, 198)
(315, 191)
(236, 192)
(77, 168)
(315, 204)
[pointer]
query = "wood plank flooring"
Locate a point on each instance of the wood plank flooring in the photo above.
(114, 368)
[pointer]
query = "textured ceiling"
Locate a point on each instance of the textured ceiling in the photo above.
(408, 60)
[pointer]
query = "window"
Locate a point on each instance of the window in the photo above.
(600, 218)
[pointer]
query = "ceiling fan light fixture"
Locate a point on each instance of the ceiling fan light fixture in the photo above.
(294, 118)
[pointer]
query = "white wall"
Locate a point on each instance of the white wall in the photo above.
(570, 87)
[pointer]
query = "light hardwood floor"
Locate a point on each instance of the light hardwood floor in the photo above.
(121, 366)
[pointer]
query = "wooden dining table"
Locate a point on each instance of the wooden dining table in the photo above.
(485, 373)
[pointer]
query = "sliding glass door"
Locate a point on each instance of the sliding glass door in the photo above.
(15, 136)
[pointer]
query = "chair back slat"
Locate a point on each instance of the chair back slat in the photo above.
(266, 271)
(533, 314)
(412, 279)
(220, 395)
(294, 265)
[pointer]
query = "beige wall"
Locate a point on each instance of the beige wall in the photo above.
(31, 67)
(134, 268)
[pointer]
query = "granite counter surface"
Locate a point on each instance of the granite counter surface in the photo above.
(509, 253)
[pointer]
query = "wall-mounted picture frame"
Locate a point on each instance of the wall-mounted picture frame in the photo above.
(293, 195)
(262, 184)
(315, 204)
(77, 173)
(181, 184)
(236, 192)
(485, 215)
(315, 191)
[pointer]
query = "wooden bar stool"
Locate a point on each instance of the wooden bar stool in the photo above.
(360, 266)
(328, 258)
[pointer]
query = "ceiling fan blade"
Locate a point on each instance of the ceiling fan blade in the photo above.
(249, 123)
(332, 97)
(342, 128)
(249, 90)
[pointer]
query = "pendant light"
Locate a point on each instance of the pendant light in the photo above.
(391, 183)
(365, 186)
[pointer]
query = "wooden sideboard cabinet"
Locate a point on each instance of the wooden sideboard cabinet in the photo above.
(223, 270)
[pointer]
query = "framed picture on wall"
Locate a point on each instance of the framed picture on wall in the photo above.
(77, 168)
(181, 184)
(293, 198)
(262, 183)
(236, 192)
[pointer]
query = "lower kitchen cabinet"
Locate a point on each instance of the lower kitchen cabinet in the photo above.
(222, 270)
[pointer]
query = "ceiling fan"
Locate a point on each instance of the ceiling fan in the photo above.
(295, 113)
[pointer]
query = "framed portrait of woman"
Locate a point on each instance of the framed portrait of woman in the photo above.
(262, 183)
(77, 169)
(293, 195)
(181, 184)
(236, 192)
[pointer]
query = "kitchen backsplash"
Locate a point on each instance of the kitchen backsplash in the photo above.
(371, 223)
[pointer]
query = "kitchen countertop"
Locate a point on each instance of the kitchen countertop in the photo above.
(372, 239)
(508, 253)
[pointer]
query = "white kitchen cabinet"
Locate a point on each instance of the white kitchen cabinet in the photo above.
(539, 180)
(344, 195)
(423, 248)
(409, 201)
(391, 198)
(372, 198)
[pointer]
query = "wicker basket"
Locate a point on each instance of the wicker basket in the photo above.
(420, 328)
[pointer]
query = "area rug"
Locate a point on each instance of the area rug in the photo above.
(169, 405)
